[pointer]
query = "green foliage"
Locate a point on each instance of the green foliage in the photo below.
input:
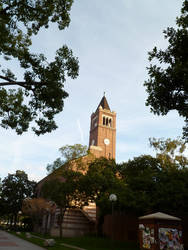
(67, 182)
(15, 188)
(55, 165)
(171, 195)
(141, 178)
(36, 208)
(143, 185)
(170, 152)
(67, 191)
(100, 177)
(153, 187)
(100, 181)
(68, 152)
(167, 86)
(40, 94)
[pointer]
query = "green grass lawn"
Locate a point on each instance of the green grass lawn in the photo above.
(86, 242)
(96, 243)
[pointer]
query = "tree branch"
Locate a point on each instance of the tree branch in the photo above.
(6, 78)
(12, 82)
(4, 11)
(22, 84)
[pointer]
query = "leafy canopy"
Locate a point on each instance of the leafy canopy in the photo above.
(39, 94)
(68, 152)
(151, 187)
(36, 208)
(67, 191)
(100, 177)
(145, 184)
(15, 188)
(140, 176)
(154, 183)
(170, 152)
(167, 86)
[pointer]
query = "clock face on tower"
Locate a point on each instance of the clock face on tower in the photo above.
(106, 141)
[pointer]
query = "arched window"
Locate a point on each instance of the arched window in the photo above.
(110, 122)
(103, 120)
(107, 121)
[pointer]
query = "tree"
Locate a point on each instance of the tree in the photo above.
(55, 165)
(68, 152)
(157, 183)
(100, 178)
(141, 176)
(15, 188)
(170, 152)
(167, 86)
(67, 192)
(171, 195)
(100, 181)
(40, 94)
(36, 208)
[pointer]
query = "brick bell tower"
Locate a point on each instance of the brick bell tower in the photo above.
(102, 140)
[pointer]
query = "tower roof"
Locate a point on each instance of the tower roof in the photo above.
(103, 103)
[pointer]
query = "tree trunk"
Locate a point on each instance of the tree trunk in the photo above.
(15, 220)
(11, 220)
(62, 212)
(46, 223)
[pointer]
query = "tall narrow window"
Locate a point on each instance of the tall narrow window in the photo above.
(103, 120)
(110, 122)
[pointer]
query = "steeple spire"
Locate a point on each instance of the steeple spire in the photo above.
(103, 103)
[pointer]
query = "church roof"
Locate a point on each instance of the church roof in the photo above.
(103, 103)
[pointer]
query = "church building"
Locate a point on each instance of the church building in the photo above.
(102, 143)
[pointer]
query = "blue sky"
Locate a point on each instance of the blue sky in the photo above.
(111, 39)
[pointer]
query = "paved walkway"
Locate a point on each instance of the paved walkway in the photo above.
(11, 242)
